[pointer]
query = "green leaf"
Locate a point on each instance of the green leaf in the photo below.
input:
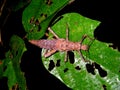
(37, 16)
(11, 64)
(102, 72)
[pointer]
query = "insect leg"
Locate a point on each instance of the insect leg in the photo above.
(81, 55)
(92, 40)
(83, 38)
(67, 38)
(66, 56)
(47, 54)
(67, 33)
(53, 33)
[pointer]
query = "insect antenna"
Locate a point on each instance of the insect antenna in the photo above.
(89, 45)
(81, 55)
(67, 32)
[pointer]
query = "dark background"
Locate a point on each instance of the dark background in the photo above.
(36, 75)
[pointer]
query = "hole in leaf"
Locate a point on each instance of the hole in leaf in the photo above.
(90, 68)
(71, 57)
(102, 72)
(4, 68)
(39, 28)
(11, 56)
(48, 2)
(115, 45)
(51, 65)
(16, 52)
(37, 22)
(32, 20)
(31, 30)
(65, 70)
(58, 63)
(77, 68)
(43, 15)
(104, 87)
(15, 87)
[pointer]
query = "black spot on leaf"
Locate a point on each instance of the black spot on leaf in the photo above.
(32, 20)
(37, 22)
(4, 68)
(15, 87)
(31, 30)
(43, 15)
(101, 71)
(48, 2)
(39, 28)
(90, 68)
(51, 65)
(71, 57)
(77, 68)
(16, 52)
(104, 87)
(58, 63)
(65, 70)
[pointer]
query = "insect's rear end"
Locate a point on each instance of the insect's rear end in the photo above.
(43, 43)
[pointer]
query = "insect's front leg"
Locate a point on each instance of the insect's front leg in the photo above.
(49, 53)
(83, 38)
(86, 36)
(55, 35)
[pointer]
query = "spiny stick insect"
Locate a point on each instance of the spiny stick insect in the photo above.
(60, 44)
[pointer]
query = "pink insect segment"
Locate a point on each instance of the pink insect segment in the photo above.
(59, 45)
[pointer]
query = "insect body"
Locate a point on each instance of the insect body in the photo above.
(59, 44)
